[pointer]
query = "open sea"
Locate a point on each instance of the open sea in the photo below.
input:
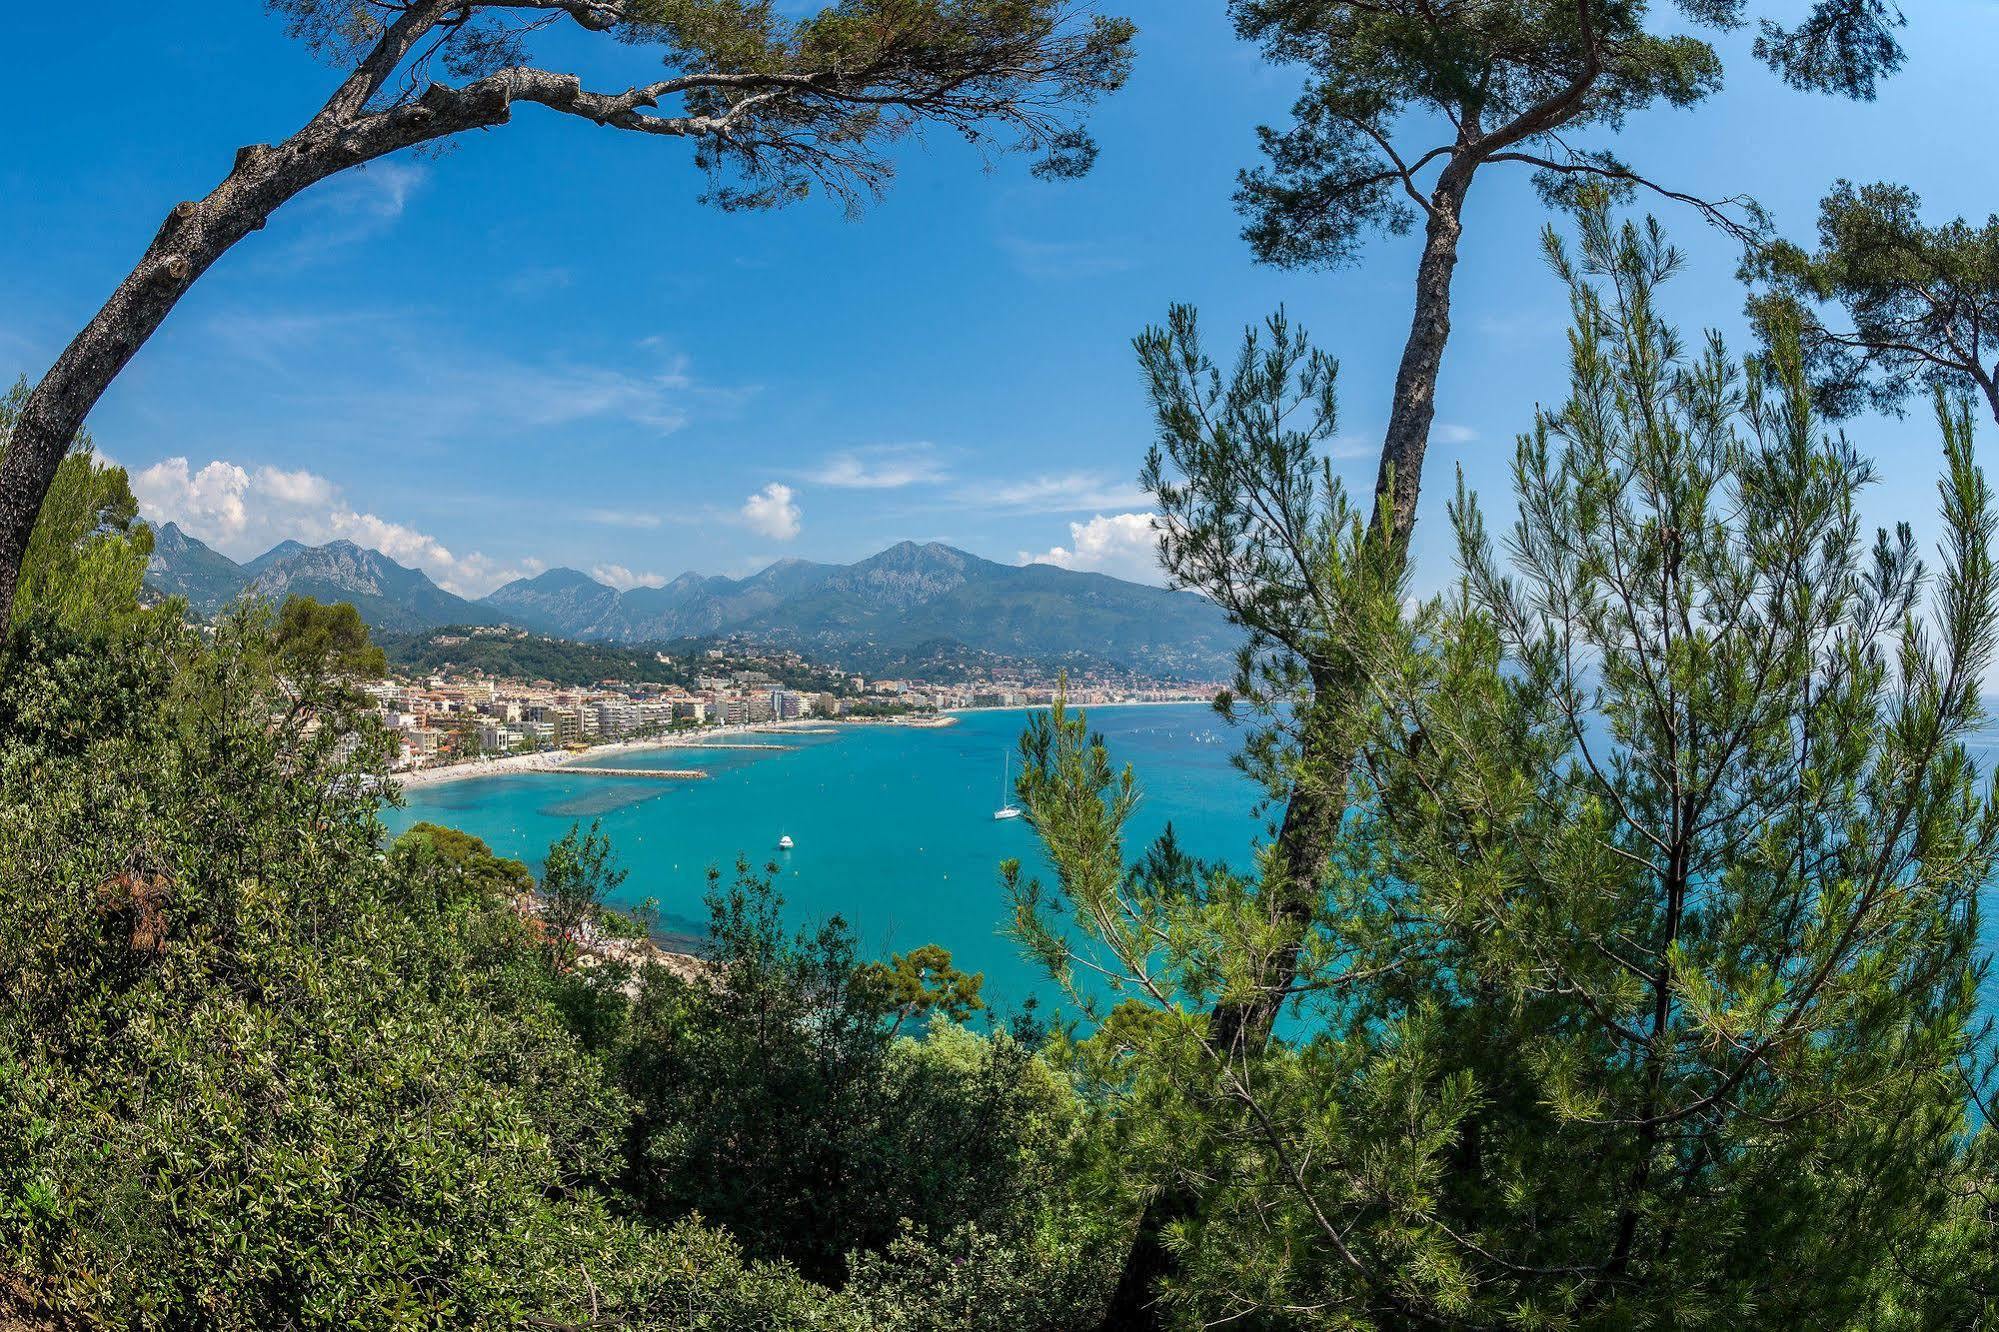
(893, 825)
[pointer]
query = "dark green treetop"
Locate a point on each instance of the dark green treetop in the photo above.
(1921, 302)
(1506, 82)
(923, 981)
(577, 877)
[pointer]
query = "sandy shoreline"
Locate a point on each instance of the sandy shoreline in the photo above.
(556, 760)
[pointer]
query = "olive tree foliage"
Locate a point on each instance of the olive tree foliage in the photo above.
(1887, 305)
(1642, 988)
(772, 104)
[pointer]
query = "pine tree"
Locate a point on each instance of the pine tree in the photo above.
(1643, 989)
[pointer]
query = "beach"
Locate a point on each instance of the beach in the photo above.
(548, 760)
(892, 826)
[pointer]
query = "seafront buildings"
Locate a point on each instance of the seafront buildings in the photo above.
(449, 718)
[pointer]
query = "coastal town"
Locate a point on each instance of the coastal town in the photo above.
(463, 721)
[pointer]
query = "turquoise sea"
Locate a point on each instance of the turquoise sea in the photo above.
(893, 826)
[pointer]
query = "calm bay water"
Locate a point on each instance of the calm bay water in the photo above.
(893, 825)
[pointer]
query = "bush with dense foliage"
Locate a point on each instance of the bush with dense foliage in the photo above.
(259, 1070)
(779, 1097)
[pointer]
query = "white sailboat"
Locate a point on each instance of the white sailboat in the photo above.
(1006, 809)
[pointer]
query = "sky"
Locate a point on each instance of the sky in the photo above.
(539, 349)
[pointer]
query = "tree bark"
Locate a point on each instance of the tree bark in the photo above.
(1414, 409)
(192, 238)
(1318, 797)
(194, 235)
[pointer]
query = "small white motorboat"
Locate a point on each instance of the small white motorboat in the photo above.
(784, 842)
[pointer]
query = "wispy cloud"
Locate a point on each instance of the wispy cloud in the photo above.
(394, 374)
(621, 518)
(1064, 259)
(351, 207)
(1068, 492)
(1366, 444)
(881, 467)
(537, 281)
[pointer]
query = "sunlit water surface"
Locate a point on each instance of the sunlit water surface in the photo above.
(892, 826)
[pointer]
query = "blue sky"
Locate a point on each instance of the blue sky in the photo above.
(539, 349)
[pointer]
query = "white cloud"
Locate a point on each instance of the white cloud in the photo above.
(773, 512)
(1069, 492)
(881, 467)
(1454, 434)
(208, 503)
(242, 513)
(1123, 545)
(300, 487)
(618, 576)
(403, 544)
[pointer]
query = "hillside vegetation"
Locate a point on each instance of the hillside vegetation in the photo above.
(1547, 1046)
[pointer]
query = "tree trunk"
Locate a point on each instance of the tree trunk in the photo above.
(1990, 387)
(1304, 841)
(1415, 407)
(195, 235)
(1318, 796)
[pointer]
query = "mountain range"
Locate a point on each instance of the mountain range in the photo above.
(907, 598)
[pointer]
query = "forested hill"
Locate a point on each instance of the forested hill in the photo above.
(519, 654)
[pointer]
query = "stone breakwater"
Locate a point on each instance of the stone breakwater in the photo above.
(643, 774)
